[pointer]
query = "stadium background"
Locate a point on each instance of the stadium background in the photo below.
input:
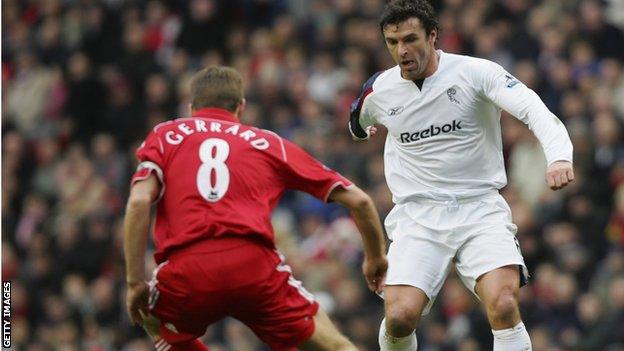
(84, 80)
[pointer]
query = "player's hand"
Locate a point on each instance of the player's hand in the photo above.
(136, 301)
(151, 324)
(370, 131)
(559, 174)
(375, 272)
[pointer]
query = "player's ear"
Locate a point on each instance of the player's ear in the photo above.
(433, 36)
(241, 107)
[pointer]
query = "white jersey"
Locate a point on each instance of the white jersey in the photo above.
(446, 139)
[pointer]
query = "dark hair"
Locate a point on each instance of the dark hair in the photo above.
(216, 87)
(401, 10)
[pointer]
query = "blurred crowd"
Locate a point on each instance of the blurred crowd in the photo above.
(83, 81)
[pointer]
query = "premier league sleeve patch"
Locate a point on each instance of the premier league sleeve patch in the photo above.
(511, 81)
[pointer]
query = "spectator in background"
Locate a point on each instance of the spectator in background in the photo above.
(204, 27)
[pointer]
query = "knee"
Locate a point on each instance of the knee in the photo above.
(504, 307)
(401, 320)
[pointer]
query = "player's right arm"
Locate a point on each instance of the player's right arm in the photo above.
(136, 225)
(146, 188)
(361, 117)
(366, 218)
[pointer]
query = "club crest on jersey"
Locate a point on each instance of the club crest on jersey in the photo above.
(395, 111)
(511, 81)
(451, 92)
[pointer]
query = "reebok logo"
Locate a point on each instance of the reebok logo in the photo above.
(395, 111)
(430, 132)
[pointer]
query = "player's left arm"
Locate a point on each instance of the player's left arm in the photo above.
(523, 103)
(136, 225)
(301, 171)
(367, 221)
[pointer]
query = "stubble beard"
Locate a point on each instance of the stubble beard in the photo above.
(423, 63)
(419, 72)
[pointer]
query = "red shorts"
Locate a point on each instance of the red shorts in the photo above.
(231, 277)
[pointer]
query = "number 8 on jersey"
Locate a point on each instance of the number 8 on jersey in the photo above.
(213, 152)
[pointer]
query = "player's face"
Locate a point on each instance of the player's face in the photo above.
(410, 47)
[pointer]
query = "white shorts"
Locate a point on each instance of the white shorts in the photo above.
(477, 234)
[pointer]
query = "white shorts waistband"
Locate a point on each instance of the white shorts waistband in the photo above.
(447, 199)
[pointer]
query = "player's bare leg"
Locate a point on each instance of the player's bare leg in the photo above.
(404, 305)
(498, 289)
(326, 337)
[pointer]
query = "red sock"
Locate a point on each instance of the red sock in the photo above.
(194, 345)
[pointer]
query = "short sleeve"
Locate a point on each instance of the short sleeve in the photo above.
(303, 172)
(150, 156)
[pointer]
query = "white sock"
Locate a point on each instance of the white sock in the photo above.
(512, 339)
(391, 343)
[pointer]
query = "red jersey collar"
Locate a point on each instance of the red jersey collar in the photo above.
(216, 113)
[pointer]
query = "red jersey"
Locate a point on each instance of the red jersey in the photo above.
(220, 177)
